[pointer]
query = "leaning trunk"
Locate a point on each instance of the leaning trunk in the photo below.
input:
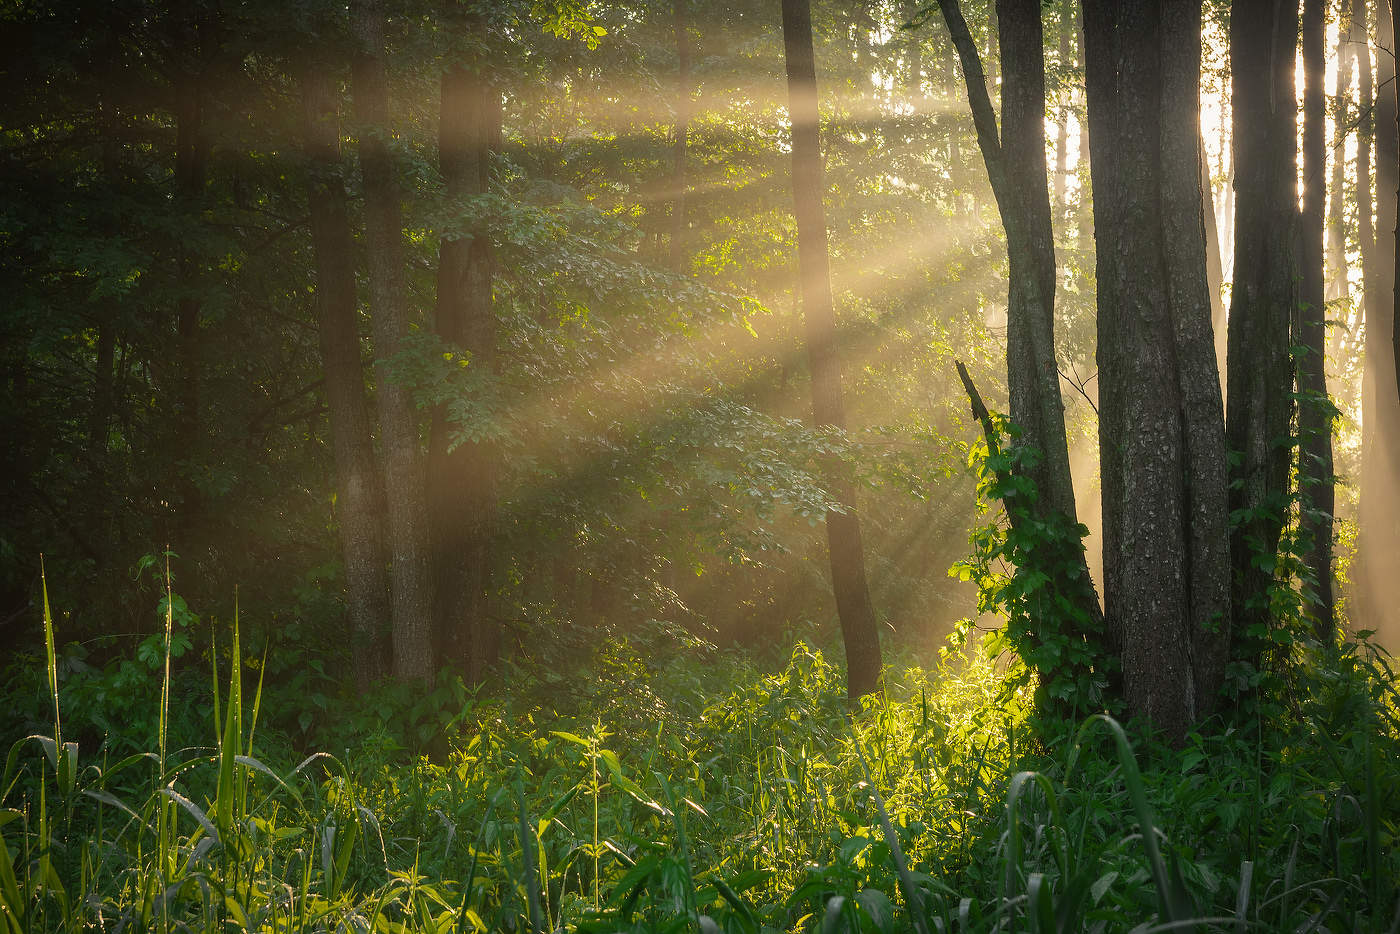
(858, 626)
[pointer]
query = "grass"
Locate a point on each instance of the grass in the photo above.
(640, 791)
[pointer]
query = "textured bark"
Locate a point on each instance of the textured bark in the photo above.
(1263, 37)
(411, 581)
(463, 479)
(1314, 420)
(1016, 167)
(859, 630)
(680, 137)
(360, 494)
(1161, 425)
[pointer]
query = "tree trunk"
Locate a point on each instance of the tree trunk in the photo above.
(1161, 426)
(1066, 31)
(1215, 267)
(463, 477)
(192, 151)
(1317, 498)
(1379, 507)
(679, 142)
(1337, 273)
(1016, 167)
(859, 630)
(360, 493)
(1263, 36)
(411, 581)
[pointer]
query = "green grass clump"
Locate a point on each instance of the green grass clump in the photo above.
(646, 791)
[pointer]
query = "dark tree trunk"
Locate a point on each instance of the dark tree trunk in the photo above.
(411, 580)
(1317, 498)
(463, 477)
(1016, 167)
(1161, 423)
(360, 494)
(679, 141)
(1215, 267)
(1263, 37)
(859, 629)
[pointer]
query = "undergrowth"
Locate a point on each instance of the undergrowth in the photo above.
(647, 790)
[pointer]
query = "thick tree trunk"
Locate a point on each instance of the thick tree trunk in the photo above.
(1161, 424)
(463, 478)
(360, 494)
(411, 580)
(1317, 498)
(1016, 167)
(859, 629)
(1263, 36)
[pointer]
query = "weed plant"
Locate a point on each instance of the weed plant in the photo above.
(646, 789)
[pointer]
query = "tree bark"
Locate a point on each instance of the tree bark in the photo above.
(1161, 424)
(1016, 167)
(360, 495)
(411, 580)
(859, 629)
(680, 139)
(1315, 485)
(463, 478)
(1263, 37)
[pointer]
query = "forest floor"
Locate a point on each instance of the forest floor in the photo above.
(662, 785)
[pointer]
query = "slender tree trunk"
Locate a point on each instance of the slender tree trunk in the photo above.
(679, 141)
(1016, 167)
(1215, 268)
(1314, 416)
(1263, 37)
(859, 629)
(360, 494)
(463, 478)
(1379, 508)
(1337, 273)
(192, 151)
(1161, 423)
(411, 581)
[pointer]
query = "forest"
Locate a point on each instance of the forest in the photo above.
(699, 465)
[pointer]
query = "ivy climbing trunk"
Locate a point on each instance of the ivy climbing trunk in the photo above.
(859, 630)
(359, 487)
(463, 471)
(1161, 429)
(411, 581)
(1315, 486)
(1016, 167)
(1263, 297)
